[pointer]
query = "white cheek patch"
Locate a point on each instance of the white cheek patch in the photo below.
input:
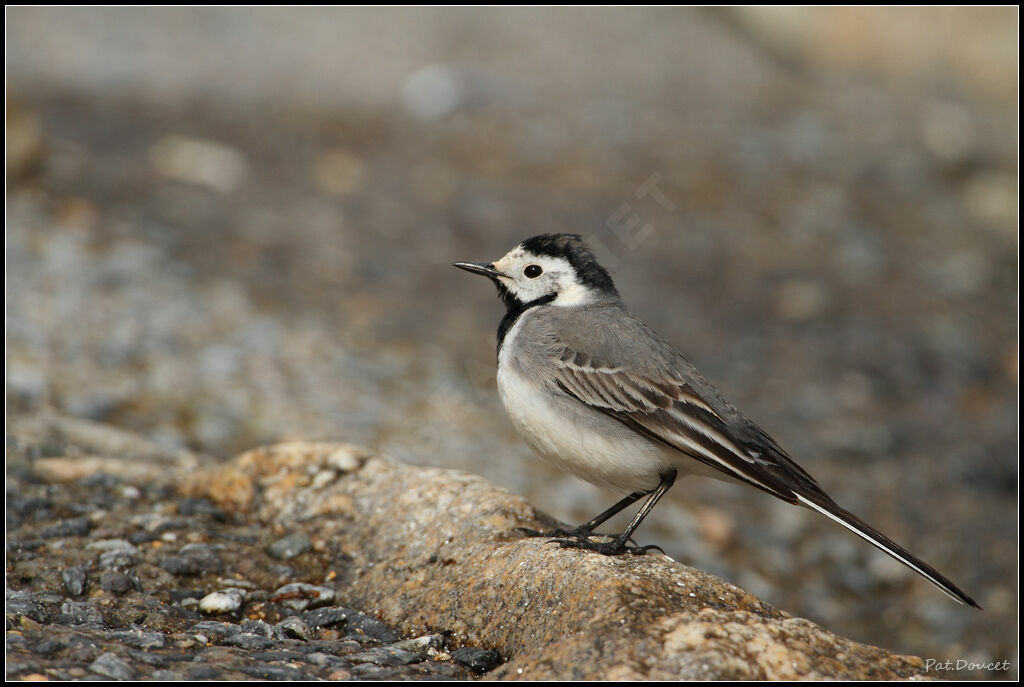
(573, 294)
(570, 292)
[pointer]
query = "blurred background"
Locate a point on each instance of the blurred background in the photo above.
(228, 227)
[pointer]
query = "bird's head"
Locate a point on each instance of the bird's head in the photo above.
(550, 268)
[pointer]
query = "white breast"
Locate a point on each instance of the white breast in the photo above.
(565, 432)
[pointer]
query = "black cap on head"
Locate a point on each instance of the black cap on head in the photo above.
(572, 248)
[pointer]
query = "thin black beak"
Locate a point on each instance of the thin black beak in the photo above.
(479, 268)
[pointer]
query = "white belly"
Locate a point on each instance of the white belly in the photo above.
(587, 443)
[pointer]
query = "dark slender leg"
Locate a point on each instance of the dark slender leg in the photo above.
(587, 528)
(618, 545)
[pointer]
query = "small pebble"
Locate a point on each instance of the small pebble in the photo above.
(299, 596)
(258, 627)
(167, 676)
(138, 638)
(48, 647)
(273, 672)
(116, 583)
(23, 604)
(150, 659)
(369, 671)
(478, 660)
(386, 656)
(193, 559)
(72, 527)
(115, 559)
(79, 613)
(248, 640)
(75, 580)
(110, 666)
(326, 617)
(290, 546)
(212, 627)
(113, 545)
(292, 626)
(371, 627)
(421, 645)
(203, 673)
(223, 601)
(318, 658)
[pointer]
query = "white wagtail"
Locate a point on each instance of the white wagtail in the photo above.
(595, 391)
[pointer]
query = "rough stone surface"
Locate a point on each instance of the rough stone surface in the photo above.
(432, 548)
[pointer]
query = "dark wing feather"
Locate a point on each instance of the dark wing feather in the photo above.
(670, 412)
(641, 381)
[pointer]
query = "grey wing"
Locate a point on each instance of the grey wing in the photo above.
(613, 363)
(643, 382)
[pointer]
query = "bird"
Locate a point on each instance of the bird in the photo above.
(595, 391)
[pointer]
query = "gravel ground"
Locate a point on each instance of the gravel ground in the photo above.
(110, 579)
(240, 231)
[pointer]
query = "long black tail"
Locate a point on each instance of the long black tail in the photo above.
(828, 507)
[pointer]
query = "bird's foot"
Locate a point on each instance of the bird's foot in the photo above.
(610, 548)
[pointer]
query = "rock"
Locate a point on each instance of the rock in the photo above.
(272, 672)
(75, 579)
(300, 596)
(386, 656)
(290, 546)
(552, 613)
(193, 559)
(79, 613)
(72, 527)
(258, 627)
(115, 559)
(212, 627)
(223, 601)
(19, 604)
(248, 640)
(109, 665)
(116, 582)
(138, 638)
(478, 660)
(365, 625)
(326, 617)
(167, 676)
(113, 545)
(421, 645)
(292, 626)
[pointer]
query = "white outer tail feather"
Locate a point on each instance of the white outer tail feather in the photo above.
(883, 547)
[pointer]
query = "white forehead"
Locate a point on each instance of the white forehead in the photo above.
(519, 257)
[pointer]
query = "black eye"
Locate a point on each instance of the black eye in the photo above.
(533, 271)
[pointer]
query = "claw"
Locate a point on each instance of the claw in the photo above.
(644, 549)
(611, 548)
